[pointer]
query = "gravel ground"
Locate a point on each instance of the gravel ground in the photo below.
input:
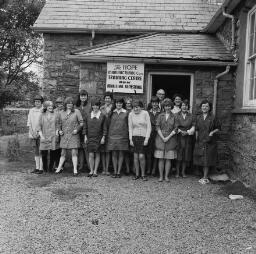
(63, 214)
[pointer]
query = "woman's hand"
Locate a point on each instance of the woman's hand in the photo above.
(102, 140)
(85, 139)
(61, 132)
(145, 142)
(131, 143)
(74, 132)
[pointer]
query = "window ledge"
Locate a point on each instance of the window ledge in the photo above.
(244, 111)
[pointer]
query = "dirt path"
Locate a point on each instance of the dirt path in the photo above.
(63, 214)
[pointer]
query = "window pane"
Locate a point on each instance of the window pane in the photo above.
(252, 29)
(252, 71)
(254, 95)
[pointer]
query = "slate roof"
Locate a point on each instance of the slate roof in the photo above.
(203, 47)
(125, 15)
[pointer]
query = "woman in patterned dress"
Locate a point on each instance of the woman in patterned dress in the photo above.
(186, 130)
(49, 137)
(71, 122)
(166, 139)
(118, 137)
(95, 131)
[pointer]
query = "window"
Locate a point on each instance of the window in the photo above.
(250, 77)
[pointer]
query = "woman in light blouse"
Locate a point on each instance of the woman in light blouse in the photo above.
(139, 133)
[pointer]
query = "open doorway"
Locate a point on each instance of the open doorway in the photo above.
(171, 83)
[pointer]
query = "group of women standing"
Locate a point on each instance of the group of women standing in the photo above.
(164, 134)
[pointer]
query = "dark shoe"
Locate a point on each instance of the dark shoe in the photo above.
(135, 178)
(75, 174)
(39, 172)
(118, 175)
(35, 171)
(95, 175)
(114, 176)
(89, 175)
(144, 178)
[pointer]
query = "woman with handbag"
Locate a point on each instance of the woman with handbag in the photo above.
(205, 151)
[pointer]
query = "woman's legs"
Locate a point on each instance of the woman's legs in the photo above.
(178, 169)
(96, 163)
(81, 158)
(75, 160)
(149, 163)
(120, 161)
(103, 161)
(142, 164)
(154, 167)
(167, 169)
(206, 171)
(44, 154)
(183, 172)
(127, 162)
(136, 163)
(91, 162)
(114, 161)
(62, 160)
(161, 169)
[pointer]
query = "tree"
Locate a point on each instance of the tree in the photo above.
(20, 46)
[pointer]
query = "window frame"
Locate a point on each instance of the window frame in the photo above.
(247, 102)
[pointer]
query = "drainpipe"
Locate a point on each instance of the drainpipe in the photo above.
(233, 26)
(93, 36)
(215, 89)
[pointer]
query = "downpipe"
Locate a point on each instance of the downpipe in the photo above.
(215, 88)
(233, 26)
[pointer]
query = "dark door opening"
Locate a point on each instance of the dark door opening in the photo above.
(172, 84)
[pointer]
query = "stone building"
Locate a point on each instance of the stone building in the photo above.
(136, 47)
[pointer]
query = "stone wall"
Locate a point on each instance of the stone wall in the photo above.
(242, 138)
(61, 76)
(13, 120)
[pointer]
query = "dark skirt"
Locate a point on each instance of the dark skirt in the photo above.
(184, 149)
(138, 142)
(150, 148)
(93, 145)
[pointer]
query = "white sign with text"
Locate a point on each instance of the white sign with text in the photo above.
(125, 77)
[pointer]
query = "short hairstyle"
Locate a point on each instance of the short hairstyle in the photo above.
(96, 102)
(46, 105)
(108, 94)
(138, 103)
(120, 100)
(206, 102)
(128, 99)
(83, 92)
(69, 100)
(160, 90)
(177, 95)
(186, 102)
(167, 102)
(154, 99)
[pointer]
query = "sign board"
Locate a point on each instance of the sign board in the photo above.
(125, 77)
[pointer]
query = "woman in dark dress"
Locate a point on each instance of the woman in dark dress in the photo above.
(153, 114)
(186, 130)
(84, 106)
(106, 109)
(205, 151)
(95, 131)
(118, 136)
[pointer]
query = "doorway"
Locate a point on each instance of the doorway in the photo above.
(171, 83)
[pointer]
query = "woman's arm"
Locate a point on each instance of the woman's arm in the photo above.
(148, 132)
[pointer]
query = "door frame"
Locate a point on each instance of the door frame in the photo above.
(149, 81)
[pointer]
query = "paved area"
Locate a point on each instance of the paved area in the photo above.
(62, 214)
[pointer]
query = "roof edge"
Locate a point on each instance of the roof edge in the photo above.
(218, 18)
(107, 31)
(151, 60)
